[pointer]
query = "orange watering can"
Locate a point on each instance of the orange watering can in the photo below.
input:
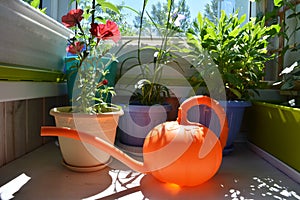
(180, 152)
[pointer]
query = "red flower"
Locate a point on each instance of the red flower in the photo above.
(105, 82)
(106, 31)
(93, 29)
(74, 49)
(72, 18)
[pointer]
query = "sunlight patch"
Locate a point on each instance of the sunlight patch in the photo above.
(8, 190)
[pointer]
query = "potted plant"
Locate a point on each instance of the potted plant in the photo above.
(238, 51)
(147, 105)
(269, 119)
(74, 59)
(90, 111)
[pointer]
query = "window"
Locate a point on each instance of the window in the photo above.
(189, 8)
(231, 6)
(54, 8)
(129, 19)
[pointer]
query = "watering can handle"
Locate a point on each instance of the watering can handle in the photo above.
(211, 103)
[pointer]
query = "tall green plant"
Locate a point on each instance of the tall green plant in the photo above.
(239, 51)
(149, 90)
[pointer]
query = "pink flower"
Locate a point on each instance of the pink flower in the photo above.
(76, 48)
(108, 31)
(72, 18)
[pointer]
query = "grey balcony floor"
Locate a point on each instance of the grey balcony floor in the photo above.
(242, 175)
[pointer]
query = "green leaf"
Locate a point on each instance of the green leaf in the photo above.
(274, 29)
(242, 19)
(278, 3)
(236, 92)
(235, 32)
(107, 5)
(169, 5)
(43, 10)
(35, 3)
(132, 9)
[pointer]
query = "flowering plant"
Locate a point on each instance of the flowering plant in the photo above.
(90, 43)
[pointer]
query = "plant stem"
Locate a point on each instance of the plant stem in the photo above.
(140, 31)
(93, 13)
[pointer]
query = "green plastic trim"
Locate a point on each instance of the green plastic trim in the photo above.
(276, 106)
(24, 73)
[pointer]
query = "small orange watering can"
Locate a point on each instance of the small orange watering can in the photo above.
(180, 152)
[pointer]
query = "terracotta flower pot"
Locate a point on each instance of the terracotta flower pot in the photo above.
(80, 156)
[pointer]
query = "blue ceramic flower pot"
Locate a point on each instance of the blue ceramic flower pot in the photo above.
(234, 112)
(138, 120)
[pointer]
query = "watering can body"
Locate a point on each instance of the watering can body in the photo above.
(180, 152)
(176, 158)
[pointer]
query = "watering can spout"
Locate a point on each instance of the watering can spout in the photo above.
(97, 142)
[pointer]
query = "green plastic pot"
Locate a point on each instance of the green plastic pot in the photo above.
(276, 130)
